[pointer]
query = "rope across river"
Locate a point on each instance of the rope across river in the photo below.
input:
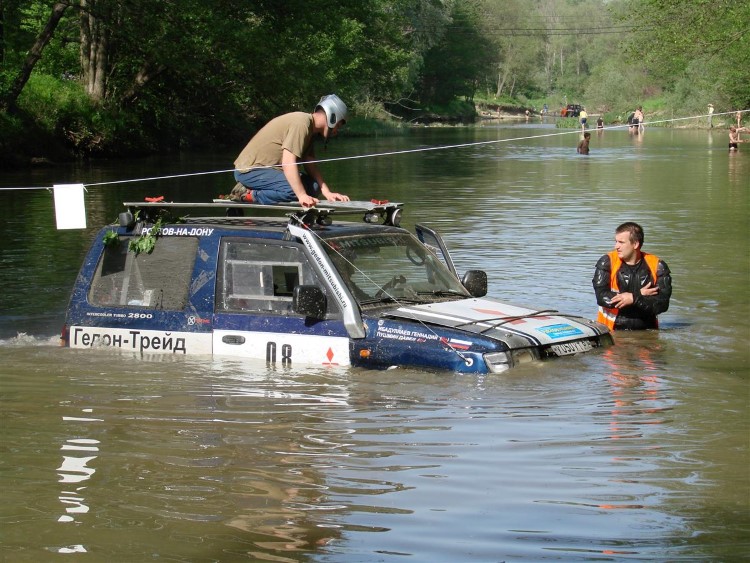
(396, 153)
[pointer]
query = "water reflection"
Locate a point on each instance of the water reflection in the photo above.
(277, 479)
(74, 471)
(738, 170)
(636, 384)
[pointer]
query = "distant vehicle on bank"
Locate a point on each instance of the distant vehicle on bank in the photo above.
(571, 110)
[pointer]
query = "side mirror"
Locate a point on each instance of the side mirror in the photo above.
(309, 300)
(475, 281)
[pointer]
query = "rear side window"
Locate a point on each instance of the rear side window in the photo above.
(159, 280)
(257, 276)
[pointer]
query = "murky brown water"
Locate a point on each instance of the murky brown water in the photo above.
(637, 453)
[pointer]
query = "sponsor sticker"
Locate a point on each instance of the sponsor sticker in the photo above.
(403, 334)
(560, 331)
(455, 343)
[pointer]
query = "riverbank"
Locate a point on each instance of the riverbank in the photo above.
(78, 132)
(26, 143)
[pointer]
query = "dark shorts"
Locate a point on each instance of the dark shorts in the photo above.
(732, 145)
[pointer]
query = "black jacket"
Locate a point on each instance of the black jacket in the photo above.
(630, 279)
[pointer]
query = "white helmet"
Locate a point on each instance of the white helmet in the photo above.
(334, 108)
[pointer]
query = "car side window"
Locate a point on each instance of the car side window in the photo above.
(159, 280)
(260, 276)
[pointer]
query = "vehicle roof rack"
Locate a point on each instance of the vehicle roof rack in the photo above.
(374, 211)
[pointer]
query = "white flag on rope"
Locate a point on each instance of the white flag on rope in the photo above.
(70, 209)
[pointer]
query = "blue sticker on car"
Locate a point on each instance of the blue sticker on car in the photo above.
(560, 331)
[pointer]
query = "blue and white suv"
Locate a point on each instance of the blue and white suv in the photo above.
(303, 289)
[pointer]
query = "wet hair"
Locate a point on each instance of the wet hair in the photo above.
(635, 230)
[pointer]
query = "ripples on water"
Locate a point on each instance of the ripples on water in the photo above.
(639, 452)
(217, 459)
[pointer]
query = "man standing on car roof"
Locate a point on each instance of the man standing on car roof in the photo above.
(268, 165)
(631, 286)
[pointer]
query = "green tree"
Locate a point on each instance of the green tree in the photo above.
(455, 65)
(515, 46)
(687, 44)
(10, 93)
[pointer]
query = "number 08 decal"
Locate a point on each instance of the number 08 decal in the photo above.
(286, 353)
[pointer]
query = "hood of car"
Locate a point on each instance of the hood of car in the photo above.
(493, 318)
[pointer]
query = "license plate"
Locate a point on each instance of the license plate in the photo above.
(568, 348)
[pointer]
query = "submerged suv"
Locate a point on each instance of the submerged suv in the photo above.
(304, 289)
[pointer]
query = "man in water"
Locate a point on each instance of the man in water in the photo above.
(734, 137)
(583, 144)
(631, 286)
(638, 118)
(267, 168)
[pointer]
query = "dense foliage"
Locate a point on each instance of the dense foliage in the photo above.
(698, 50)
(107, 76)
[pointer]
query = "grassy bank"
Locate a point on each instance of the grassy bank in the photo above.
(660, 111)
(55, 121)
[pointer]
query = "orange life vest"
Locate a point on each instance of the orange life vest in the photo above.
(606, 315)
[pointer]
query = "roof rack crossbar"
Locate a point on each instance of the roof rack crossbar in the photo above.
(389, 212)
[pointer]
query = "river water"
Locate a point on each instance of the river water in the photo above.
(639, 452)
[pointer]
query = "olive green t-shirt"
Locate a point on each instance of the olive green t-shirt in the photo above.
(291, 131)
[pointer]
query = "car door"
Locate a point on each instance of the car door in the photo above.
(253, 310)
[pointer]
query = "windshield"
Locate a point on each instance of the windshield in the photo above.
(391, 266)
